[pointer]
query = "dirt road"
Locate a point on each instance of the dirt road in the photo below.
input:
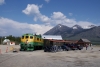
(77, 58)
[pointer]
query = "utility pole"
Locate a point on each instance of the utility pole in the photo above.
(1, 39)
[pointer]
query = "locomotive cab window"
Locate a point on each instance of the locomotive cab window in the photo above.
(37, 38)
(26, 36)
(22, 37)
(31, 37)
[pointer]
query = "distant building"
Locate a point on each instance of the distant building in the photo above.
(6, 42)
(49, 42)
(12, 43)
(84, 42)
(55, 37)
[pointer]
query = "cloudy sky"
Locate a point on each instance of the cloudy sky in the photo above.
(38, 16)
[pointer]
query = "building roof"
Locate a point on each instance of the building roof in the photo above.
(66, 41)
(57, 37)
(84, 40)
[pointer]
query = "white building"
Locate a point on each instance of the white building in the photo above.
(6, 42)
(56, 37)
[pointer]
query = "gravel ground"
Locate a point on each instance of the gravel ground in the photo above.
(39, 58)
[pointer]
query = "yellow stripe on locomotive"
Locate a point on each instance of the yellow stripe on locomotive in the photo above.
(31, 39)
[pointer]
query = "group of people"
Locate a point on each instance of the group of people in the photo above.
(55, 48)
(88, 45)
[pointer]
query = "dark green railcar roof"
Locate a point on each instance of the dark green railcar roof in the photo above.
(28, 34)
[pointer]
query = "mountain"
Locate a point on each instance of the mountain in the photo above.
(92, 34)
(76, 32)
(58, 30)
(64, 30)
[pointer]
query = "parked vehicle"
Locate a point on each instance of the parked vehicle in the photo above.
(65, 48)
(74, 46)
(47, 48)
(79, 47)
(52, 48)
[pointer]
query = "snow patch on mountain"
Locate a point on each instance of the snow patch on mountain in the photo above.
(76, 27)
(88, 27)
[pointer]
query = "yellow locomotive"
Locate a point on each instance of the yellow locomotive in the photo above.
(31, 42)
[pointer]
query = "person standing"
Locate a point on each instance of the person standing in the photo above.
(86, 46)
(91, 46)
(55, 48)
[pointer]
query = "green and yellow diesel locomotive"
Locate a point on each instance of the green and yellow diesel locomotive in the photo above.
(31, 42)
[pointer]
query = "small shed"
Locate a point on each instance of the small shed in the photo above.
(84, 42)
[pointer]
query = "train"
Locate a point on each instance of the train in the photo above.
(31, 42)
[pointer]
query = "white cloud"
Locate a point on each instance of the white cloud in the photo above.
(58, 15)
(2, 2)
(31, 9)
(11, 27)
(60, 18)
(70, 14)
(47, 1)
(44, 18)
(84, 24)
(54, 19)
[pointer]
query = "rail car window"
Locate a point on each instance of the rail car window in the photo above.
(26, 36)
(31, 37)
(22, 37)
(37, 38)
